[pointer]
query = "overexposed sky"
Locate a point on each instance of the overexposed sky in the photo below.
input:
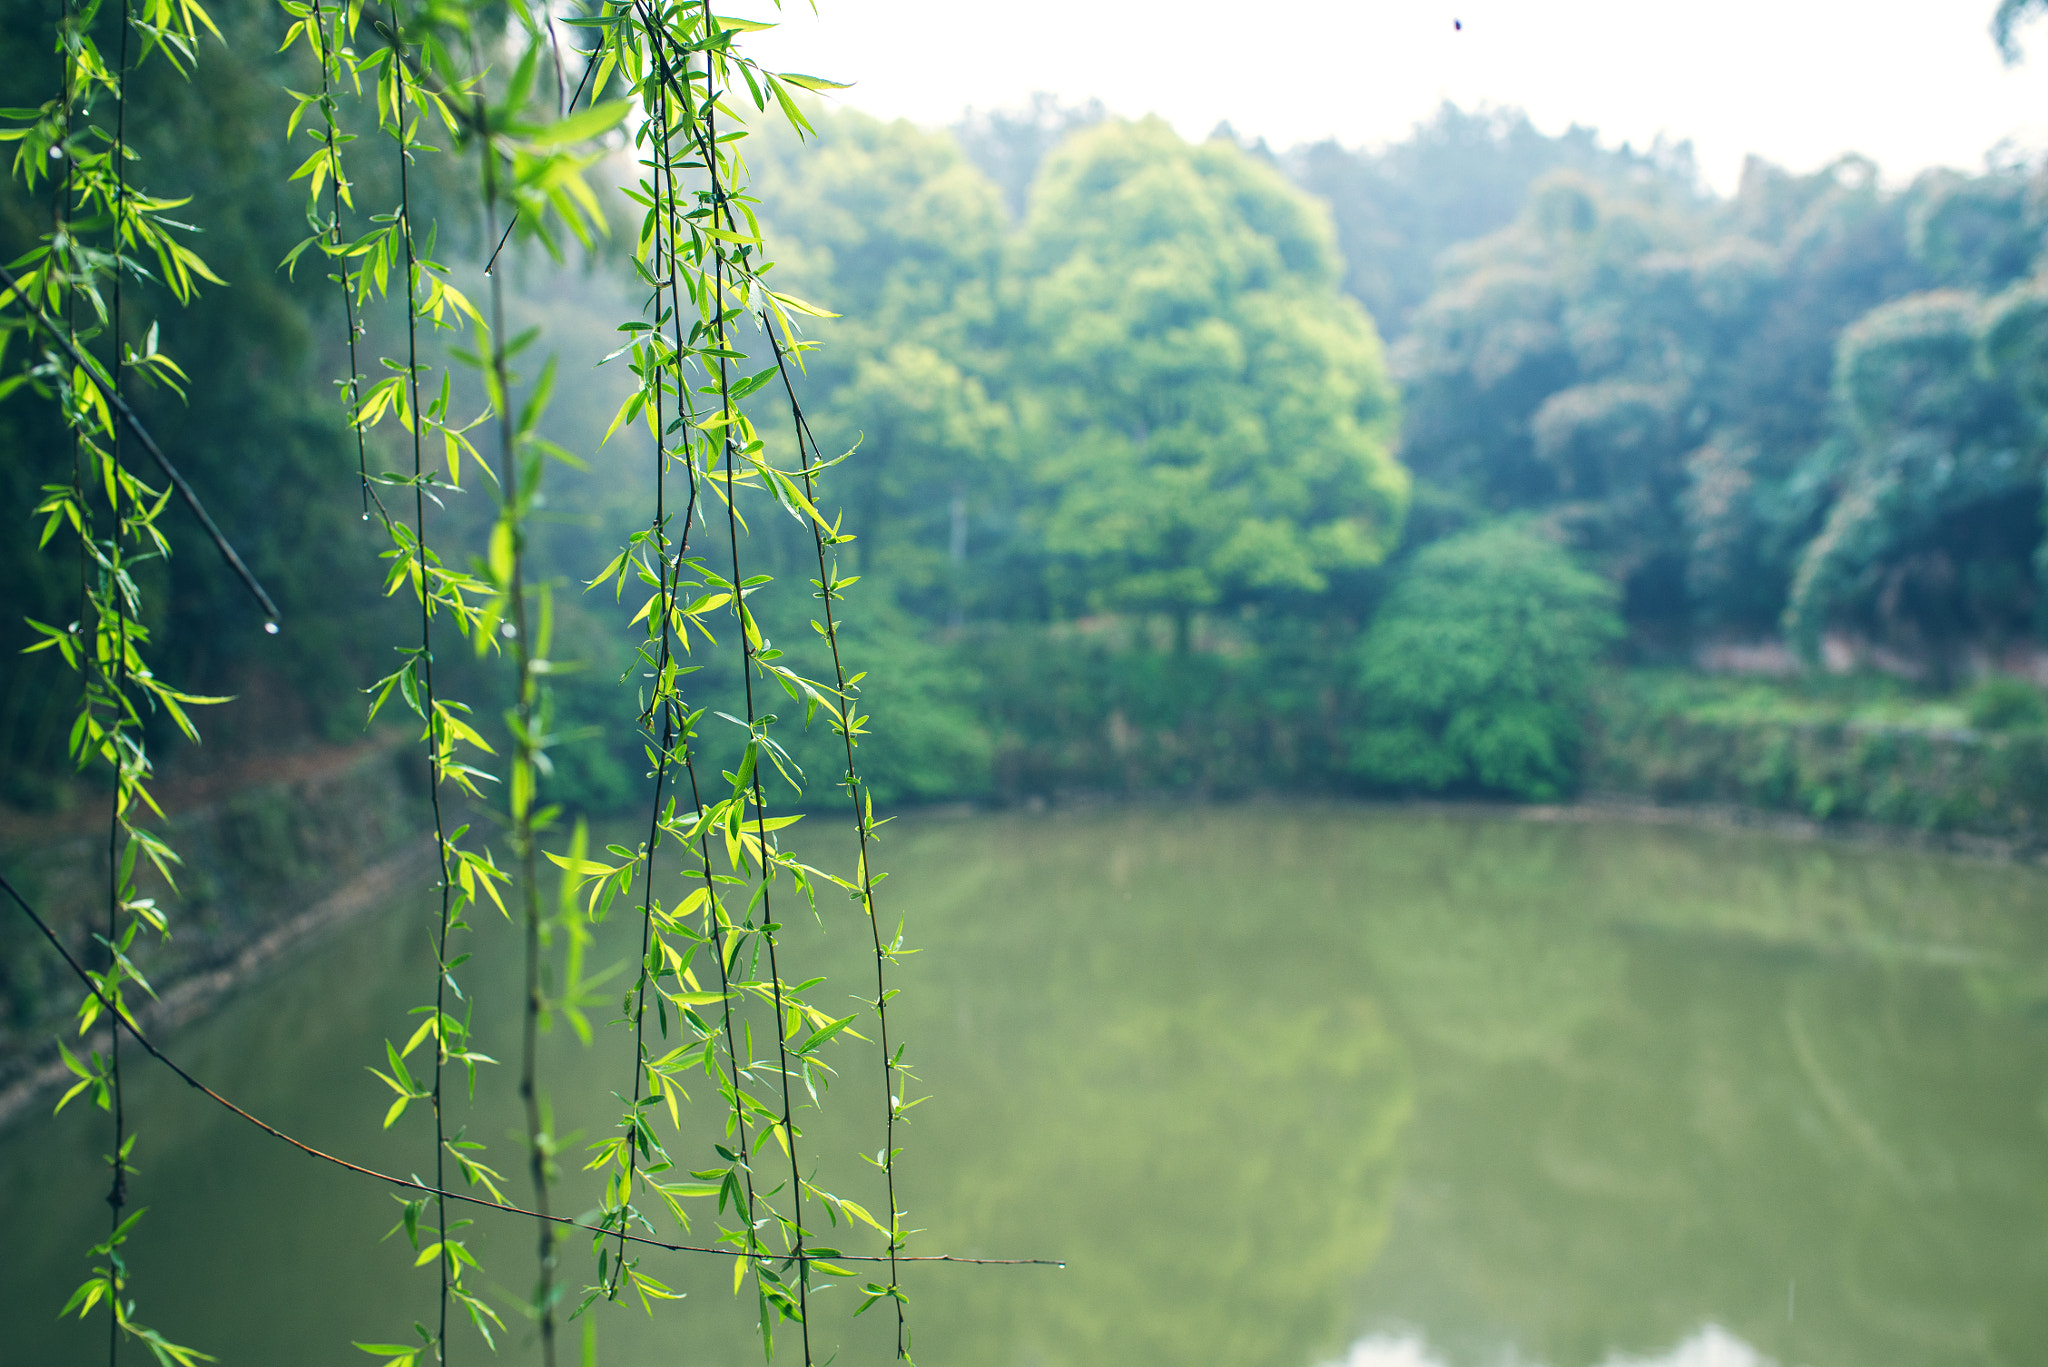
(1912, 83)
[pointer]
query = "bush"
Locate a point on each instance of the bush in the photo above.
(2003, 703)
(1474, 671)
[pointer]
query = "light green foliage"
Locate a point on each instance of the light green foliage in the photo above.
(1474, 672)
(461, 414)
(890, 227)
(1207, 419)
(1830, 748)
(933, 741)
(894, 229)
(2004, 703)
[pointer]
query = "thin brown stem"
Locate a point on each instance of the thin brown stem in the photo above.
(794, 1228)
(828, 590)
(446, 1261)
(123, 1021)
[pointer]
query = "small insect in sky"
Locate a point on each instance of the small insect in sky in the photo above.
(1458, 24)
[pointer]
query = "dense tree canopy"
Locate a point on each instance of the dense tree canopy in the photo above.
(1207, 418)
(1473, 673)
(1807, 407)
(1088, 371)
(1151, 396)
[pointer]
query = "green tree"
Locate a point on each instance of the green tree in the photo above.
(1653, 369)
(1206, 417)
(891, 226)
(1473, 673)
(1457, 176)
(277, 469)
(1935, 476)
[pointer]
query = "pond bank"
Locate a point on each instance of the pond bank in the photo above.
(1909, 772)
(272, 865)
(266, 864)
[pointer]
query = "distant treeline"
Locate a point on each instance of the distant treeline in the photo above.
(1813, 406)
(1185, 450)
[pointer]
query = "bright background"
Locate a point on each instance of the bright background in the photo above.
(1799, 81)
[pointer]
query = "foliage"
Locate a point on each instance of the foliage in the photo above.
(414, 73)
(1849, 749)
(1474, 672)
(2003, 703)
(1009, 145)
(1211, 423)
(1932, 444)
(1809, 407)
(273, 470)
(1460, 175)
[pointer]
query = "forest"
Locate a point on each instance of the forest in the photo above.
(1341, 469)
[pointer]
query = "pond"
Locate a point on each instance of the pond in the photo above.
(1284, 1086)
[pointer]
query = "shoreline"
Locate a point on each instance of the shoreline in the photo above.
(30, 1076)
(1620, 807)
(40, 1070)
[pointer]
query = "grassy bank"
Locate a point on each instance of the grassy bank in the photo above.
(259, 849)
(1864, 749)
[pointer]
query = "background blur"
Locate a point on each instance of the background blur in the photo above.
(1469, 451)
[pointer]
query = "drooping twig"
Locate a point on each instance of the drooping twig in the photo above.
(827, 590)
(446, 1259)
(511, 487)
(156, 453)
(795, 1227)
(122, 1019)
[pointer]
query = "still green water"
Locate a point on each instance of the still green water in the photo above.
(1285, 1086)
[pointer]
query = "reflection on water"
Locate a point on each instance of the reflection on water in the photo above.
(1712, 1346)
(1285, 1087)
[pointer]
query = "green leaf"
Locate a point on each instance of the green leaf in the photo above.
(582, 126)
(823, 1033)
(812, 82)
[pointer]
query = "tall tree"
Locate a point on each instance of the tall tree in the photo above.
(1207, 418)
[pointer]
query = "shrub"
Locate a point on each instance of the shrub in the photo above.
(1474, 671)
(2003, 703)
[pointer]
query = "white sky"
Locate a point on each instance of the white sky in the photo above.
(1912, 83)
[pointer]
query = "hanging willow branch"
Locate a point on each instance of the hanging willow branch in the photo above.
(89, 371)
(126, 1022)
(119, 892)
(831, 588)
(105, 645)
(701, 252)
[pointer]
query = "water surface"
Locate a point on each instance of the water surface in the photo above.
(1286, 1087)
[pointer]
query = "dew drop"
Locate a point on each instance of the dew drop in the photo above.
(270, 628)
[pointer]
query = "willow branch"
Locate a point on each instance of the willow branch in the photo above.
(134, 424)
(413, 1183)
